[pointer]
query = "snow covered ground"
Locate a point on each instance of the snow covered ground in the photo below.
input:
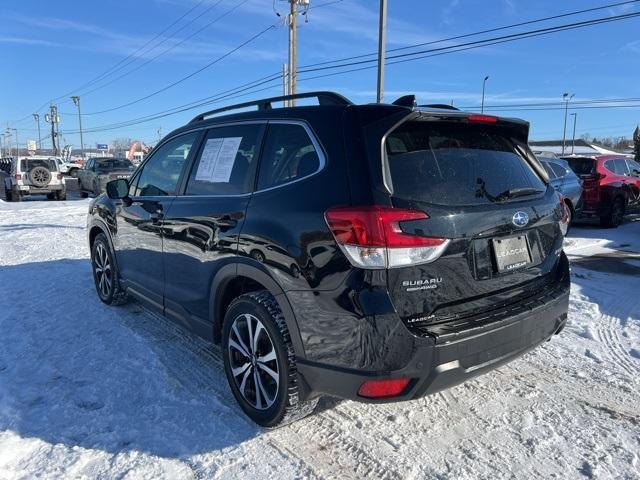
(88, 391)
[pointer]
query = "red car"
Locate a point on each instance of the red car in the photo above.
(610, 187)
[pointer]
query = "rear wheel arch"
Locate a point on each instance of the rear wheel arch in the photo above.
(234, 280)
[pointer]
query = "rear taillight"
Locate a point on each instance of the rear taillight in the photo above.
(18, 176)
(60, 176)
(371, 237)
(482, 119)
(391, 387)
(564, 219)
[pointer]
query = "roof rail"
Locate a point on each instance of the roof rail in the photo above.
(324, 98)
(444, 106)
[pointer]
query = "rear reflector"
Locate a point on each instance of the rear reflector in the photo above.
(371, 237)
(391, 387)
(482, 118)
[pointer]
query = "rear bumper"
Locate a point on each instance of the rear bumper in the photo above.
(439, 363)
(31, 190)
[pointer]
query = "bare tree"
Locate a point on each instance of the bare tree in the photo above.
(120, 146)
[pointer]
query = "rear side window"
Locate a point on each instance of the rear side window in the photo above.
(227, 161)
(549, 170)
(558, 170)
(289, 155)
(621, 167)
(160, 174)
(449, 164)
(581, 166)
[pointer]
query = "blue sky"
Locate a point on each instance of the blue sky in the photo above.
(51, 48)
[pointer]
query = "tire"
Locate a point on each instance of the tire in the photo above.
(105, 273)
(61, 195)
(83, 194)
(257, 255)
(278, 402)
(570, 214)
(51, 196)
(73, 173)
(40, 176)
(96, 189)
(615, 216)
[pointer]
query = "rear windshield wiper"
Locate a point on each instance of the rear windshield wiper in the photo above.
(518, 192)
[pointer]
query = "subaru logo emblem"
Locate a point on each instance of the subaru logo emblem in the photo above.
(520, 219)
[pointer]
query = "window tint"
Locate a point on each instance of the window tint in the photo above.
(634, 167)
(581, 166)
(450, 164)
(289, 155)
(558, 170)
(161, 173)
(621, 167)
(49, 164)
(549, 170)
(227, 161)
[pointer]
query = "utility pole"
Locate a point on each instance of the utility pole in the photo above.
(17, 142)
(1, 145)
(53, 119)
(484, 82)
(36, 117)
(382, 41)
(573, 142)
(76, 101)
(285, 83)
(566, 97)
(293, 49)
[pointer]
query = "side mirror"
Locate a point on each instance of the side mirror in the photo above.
(118, 189)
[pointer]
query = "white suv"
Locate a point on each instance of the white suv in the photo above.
(34, 176)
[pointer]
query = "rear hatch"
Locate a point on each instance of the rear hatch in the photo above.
(488, 198)
(585, 169)
(115, 168)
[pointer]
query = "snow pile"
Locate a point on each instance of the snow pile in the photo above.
(92, 391)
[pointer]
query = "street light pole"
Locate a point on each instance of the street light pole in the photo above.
(484, 82)
(573, 141)
(37, 119)
(1, 145)
(293, 50)
(566, 97)
(76, 101)
(382, 41)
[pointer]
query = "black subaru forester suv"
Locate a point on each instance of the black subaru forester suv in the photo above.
(374, 252)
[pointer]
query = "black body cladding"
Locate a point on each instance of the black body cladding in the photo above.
(189, 255)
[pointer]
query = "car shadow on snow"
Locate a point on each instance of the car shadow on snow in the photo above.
(76, 372)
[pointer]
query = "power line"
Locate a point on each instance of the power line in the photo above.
(134, 56)
(473, 34)
(170, 48)
(413, 56)
(192, 74)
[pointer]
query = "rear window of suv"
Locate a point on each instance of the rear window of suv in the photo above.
(29, 164)
(449, 164)
(581, 166)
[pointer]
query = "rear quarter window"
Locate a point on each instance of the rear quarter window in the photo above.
(451, 164)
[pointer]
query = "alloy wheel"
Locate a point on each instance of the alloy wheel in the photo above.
(102, 267)
(253, 361)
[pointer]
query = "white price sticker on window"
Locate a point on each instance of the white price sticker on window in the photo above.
(217, 159)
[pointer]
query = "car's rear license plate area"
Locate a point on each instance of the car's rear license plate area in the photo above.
(511, 253)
